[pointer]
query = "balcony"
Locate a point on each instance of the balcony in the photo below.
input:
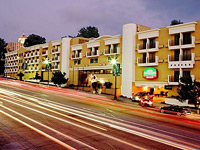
(76, 56)
(32, 62)
(45, 53)
(172, 44)
(181, 63)
(92, 53)
(147, 62)
(56, 59)
(55, 51)
(37, 61)
(112, 51)
(37, 54)
(148, 47)
(175, 81)
(172, 80)
(56, 67)
(32, 55)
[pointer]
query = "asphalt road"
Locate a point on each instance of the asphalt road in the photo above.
(49, 118)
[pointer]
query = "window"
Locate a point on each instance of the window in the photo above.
(187, 54)
(144, 44)
(186, 74)
(176, 76)
(176, 39)
(152, 43)
(77, 62)
(176, 55)
(151, 57)
(115, 48)
(109, 48)
(186, 38)
(144, 58)
(94, 60)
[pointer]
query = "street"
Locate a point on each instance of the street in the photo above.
(50, 118)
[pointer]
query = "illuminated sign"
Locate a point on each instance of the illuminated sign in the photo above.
(150, 73)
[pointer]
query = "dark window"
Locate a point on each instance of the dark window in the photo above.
(187, 54)
(144, 44)
(176, 39)
(77, 62)
(176, 55)
(186, 74)
(176, 76)
(151, 57)
(144, 58)
(115, 48)
(186, 38)
(94, 60)
(152, 43)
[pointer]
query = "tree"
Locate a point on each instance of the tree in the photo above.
(175, 22)
(88, 32)
(59, 78)
(3, 45)
(189, 90)
(34, 40)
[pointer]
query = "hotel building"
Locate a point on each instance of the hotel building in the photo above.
(150, 60)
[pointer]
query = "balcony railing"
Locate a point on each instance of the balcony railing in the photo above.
(44, 53)
(181, 43)
(172, 80)
(56, 59)
(92, 53)
(147, 61)
(55, 50)
(37, 53)
(112, 51)
(181, 61)
(148, 47)
(76, 56)
(175, 81)
(56, 67)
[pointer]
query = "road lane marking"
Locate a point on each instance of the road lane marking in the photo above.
(39, 131)
(85, 128)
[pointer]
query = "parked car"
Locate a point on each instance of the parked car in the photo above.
(140, 95)
(175, 110)
(146, 102)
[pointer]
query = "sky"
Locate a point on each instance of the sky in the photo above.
(54, 19)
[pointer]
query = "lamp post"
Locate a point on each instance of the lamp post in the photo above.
(114, 64)
(47, 63)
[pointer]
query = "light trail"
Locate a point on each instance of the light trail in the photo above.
(164, 136)
(168, 138)
(78, 120)
(124, 125)
(85, 128)
(45, 126)
(39, 131)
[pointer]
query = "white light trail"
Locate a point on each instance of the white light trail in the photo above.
(39, 131)
(85, 128)
(45, 126)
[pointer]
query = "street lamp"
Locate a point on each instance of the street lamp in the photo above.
(114, 64)
(47, 63)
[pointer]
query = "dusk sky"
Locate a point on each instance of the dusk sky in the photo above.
(54, 19)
